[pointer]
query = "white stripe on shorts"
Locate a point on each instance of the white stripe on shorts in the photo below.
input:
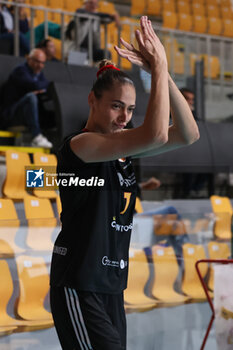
(78, 324)
(81, 319)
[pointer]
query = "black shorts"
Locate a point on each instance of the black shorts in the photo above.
(88, 321)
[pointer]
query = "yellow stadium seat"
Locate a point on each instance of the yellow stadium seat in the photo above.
(166, 272)
(226, 12)
(212, 2)
(54, 17)
(214, 26)
(193, 58)
(112, 35)
(9, 225)
(226, 3)
(228, 28)
(179, 63)
(134, 295)
(15, 183)
(34, 286)
(168, 224)
(154, 8)
(41, 222)
(175, 58)
(59, 206)
(200, 225)
(169, 5)
(199, 24)
(198, 9)
(163, 224)
(8, 323)
(27, 11)
(211, 65)
(39, 17)
(5, 295)
(213, 11)
(169, 44)
(8, 212)
(127, 31)
(71, 5)
(191, 284)
(222, 209)
(6, 330)
(185, 22)
(216, 250)
(38, 208)
(138, 206)
(56, 4)
(169, 19)
(110, 47)
(48, 163)
(201, 2)
(183, 7)
(106, 7)
(137, 7)
(39, 3)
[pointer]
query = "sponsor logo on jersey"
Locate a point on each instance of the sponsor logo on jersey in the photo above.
(131, 180)
(122, 160)
(114, 263)
(121, 228)
(123, 264)
(59, 250)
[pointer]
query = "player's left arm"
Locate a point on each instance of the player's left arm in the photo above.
(183, 130)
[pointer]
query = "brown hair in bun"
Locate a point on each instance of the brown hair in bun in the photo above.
(108, 77)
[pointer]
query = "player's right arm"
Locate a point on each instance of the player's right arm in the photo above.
(97, 147)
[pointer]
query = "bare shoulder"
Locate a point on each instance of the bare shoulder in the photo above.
(81, 140)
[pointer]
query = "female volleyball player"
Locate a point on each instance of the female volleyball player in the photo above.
(90, 257)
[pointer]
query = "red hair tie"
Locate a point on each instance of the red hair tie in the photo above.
(108, 66)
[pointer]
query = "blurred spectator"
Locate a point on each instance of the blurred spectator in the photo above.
(7, 31)
(90, 7)
(54, 29)
(151, 184)
(193, 184)
(20, 97)
(190, 98)
(48, 47)
(23, 19)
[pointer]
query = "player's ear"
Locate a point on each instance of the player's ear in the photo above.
(91, 98)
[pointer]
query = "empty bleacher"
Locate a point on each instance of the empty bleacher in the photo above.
(158, 276)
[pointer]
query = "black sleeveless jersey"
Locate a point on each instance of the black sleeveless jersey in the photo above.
(98, 200)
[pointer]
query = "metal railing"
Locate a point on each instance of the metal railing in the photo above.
(76, 17)
(203, 44)
(192, 43)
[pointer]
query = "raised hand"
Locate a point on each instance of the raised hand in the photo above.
(151, 51)
(132, 55)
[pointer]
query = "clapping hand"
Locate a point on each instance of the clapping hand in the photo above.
(150, 52)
